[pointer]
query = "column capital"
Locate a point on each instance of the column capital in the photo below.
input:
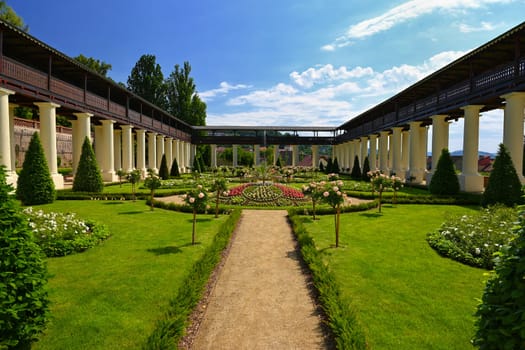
(512, 95)
(83, 115)
(126, 126)
(438, 117)
(472, 108)
(152, 133)
(415, 123)
(140, 131)
(4, 92)
(107, 122)
(384, 133)
(46, 104)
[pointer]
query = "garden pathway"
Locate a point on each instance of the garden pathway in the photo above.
(261, 299)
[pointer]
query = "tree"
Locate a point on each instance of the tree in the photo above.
(366, 169)
(24, 301)
(504, 184)
(356, 169)
(164, 173)
(197, 199)
(147, 81)
(98, 66)
(121, 173)
(87, 175)
(219, 186)
(183, 101)
(444, 180)
(152, 182)
(196, 168)
(134, 178)
(35, 185)
(334, 197)
(502, 310)
(335, 167)
(174, 171)
(9, 15)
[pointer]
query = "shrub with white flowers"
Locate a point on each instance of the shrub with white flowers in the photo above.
(379, 182)
(333, 195)
(197, 199)
(314, 190)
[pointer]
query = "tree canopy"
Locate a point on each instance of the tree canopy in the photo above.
(98, 66)
(9, 15)
(146, 80)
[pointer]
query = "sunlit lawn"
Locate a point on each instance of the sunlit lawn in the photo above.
(407, 296)
(110, 296)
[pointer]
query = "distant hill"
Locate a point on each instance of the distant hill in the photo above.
(459, 153)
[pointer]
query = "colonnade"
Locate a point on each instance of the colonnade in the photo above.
(114, 148)
(403, 150)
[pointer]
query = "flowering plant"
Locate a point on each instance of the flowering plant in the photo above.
(219, 186)
(379, 182)
(314, 191)
(197, 199)
(152, 182)
(333, 195)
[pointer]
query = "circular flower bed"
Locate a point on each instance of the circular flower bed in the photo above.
(263, 194)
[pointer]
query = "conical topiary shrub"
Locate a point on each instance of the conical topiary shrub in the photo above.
(174, 171)
(35, 185)
(163, 170)
(23, 277)
(366, 170)
(329, 166)
(504, 184)
(87, 176)
(444, 180)
(356, 169)
(335, 167)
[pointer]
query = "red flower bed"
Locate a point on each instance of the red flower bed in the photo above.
(290, 192)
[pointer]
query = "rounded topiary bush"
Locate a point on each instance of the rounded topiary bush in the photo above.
(87, 176)
(504, 185)
(444, 180)
(35, 185)
(23, 276)
(501, 314)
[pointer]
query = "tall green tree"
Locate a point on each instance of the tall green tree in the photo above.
(183, 100)
(504, 185)
(35, 185)
(147, 81)
(98, 66)
(366, 169)
(9, 15)
(356, 169)
(444, 180)
(87, 176)
(174, 171)
(24, 301)
(164, 173)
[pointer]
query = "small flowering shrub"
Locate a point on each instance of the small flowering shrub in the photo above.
(332, 195)
(61, 234)
(197, 199)
(314, 190)
(473, 239)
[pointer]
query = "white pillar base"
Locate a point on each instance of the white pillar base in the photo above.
(471, 183)
(416, 176)
(58, 180)
(109, 176)
(11, 178)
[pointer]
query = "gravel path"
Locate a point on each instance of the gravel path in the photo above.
(261, 299)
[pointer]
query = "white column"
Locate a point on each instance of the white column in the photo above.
(275, 154)
(152, 151)
(160, 149)
(364, 151)
(99, 145)
(513, 129)
(48, 135)
(12, 169)
(108, 164)
(295, 155)
(470, 180)
(439, 141)
(6, 141)
(395, 151)
(117, 149)
(168, 151)
(415, 172)
(351, 155)
(127, 148)
(422, 154)
(257, 155)
(315, 156)
(81, 130)
(141, 151)
(192, 152)
(234, 155)
(213, 150)
(390, 158)
(182, 154)
(176, 153)
(373, 152)
(383, 151)
(405, 150)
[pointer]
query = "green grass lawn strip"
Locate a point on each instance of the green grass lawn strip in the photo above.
(110, 296)
(406, 295)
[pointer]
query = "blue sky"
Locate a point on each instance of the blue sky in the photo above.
(282, 62)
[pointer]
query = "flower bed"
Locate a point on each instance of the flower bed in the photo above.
(263, 194)
(474, 239)
(61, 234)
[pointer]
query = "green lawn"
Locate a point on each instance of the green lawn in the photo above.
(110, 296)
(406, 295)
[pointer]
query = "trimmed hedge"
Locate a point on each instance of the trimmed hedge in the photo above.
(342, 319)
(170, 329)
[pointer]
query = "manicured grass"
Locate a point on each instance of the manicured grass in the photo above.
(110, 296)
(406, 295)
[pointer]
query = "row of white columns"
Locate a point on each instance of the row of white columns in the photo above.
(404, 152)
(257, 155)
(113, 148)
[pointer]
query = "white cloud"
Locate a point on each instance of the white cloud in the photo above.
(224, 88)
(327, 73)
(483, 26)
(403, 13)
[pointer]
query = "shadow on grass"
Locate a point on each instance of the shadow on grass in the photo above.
(113, 202)
(201, 220)
(371, 215)
(170, 249)
(133, 212)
